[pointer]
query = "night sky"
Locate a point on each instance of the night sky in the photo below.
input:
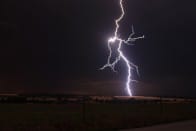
(57, 46)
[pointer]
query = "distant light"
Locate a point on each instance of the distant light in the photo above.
(112, 40)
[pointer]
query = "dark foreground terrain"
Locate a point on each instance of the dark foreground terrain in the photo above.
(90, 116)
(189, 125)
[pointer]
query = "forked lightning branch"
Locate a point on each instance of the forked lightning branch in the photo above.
(115, 39)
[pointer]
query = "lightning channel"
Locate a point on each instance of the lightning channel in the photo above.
(115, 39)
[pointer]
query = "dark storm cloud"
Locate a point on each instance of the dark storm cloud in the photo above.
(45, 42)
(96, 87)
(171, 86)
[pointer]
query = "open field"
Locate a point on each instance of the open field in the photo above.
(90, 116)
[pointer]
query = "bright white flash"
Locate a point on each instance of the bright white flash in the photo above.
(119, 41)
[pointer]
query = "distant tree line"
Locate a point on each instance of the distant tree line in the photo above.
(63, 99)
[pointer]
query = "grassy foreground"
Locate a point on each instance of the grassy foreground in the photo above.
(61, 117)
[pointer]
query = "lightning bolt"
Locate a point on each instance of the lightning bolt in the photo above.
(115, 39)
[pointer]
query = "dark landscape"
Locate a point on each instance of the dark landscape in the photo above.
(73, 112)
